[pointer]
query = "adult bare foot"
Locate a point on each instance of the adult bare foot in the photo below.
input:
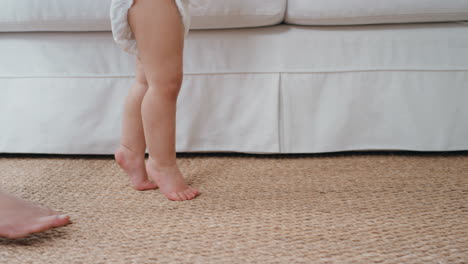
(171, 182)
(19, 218)
(134, 165)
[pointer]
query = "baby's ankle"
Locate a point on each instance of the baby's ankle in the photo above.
(129, 153)
(159, 164)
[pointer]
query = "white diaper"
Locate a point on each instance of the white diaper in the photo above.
(121, 30)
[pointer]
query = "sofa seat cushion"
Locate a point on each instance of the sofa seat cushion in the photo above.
(211, 14)
(93, 15)
(348, 12)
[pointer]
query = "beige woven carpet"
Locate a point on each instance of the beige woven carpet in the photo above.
(341, 208)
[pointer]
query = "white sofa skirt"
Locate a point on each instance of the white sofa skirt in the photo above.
(281, 89)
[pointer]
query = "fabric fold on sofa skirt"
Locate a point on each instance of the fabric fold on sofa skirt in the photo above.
(64, 93)
(254, 113)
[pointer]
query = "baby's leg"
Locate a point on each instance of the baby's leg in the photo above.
(131, 153)
(159, 31)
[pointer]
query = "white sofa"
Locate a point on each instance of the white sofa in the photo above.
(261, 76)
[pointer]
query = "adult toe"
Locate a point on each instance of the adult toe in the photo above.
(48, 222)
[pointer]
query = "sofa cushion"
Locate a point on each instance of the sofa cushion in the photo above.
(210, 14)
(347, 12)
(93, 15)
(54, 15)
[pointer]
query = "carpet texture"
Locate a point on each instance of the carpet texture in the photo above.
(339, 208)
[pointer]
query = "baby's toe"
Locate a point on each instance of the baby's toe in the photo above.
(183, 196)
(173, 196)
(194, 191)
(189, 194)
(145, 185)
(150, 185)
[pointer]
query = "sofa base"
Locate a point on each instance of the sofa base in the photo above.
(253, 113)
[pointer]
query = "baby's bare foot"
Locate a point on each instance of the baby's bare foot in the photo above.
(134, 166)
(19, 218)
(171, 182)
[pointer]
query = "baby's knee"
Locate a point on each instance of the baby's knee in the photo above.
(168, 86)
